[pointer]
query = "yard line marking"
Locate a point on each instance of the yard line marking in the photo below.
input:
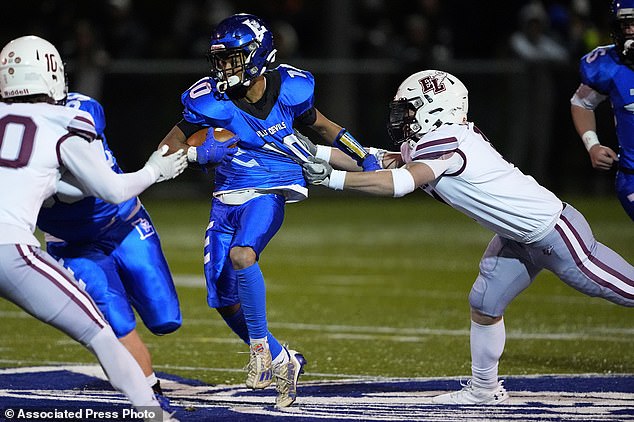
(374, 332)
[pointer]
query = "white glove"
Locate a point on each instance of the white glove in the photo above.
(167, 167)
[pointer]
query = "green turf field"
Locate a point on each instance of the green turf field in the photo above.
(367, 287)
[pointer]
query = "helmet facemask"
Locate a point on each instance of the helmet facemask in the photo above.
(403, 125)
(623, 22)
(231, 67)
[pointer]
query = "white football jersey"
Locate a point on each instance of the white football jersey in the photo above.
(30, 161)
(477, 181)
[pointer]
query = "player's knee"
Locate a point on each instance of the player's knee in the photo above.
(479, 318)
(163, 327)
(242, 257)
(228, 311)
(122, 328)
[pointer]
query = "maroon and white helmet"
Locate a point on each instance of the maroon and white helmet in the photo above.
(425, 101)
(31, 65)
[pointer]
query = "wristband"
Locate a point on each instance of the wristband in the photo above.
(323, 152)
(192, 154)
(403, 182)
(590, 139)
(337, 179)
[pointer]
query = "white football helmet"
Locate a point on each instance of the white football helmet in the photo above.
(31, 65)
(423, 102)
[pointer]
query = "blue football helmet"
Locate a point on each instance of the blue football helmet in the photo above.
(622, 12)
(241, 50)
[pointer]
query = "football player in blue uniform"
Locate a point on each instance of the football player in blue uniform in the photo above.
(608, 72)
(116, 252)
(254, 180)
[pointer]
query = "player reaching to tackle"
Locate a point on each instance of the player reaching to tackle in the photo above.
(450, 159)
(41, 140)
(608, 72)
(260, 105)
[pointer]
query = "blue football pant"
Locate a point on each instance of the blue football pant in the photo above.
(126, 270)
(252, 224)
(624, 184)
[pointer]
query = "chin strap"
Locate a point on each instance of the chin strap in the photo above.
(627, 46)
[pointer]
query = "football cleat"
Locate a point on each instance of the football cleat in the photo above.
(286, 376)
(471, 395)
(260, 367)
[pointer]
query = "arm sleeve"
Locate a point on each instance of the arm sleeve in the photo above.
(587, 97)
(86, 161)
(69, 189)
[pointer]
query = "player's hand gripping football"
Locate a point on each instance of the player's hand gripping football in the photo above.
(317, 171)
(213, 151)
(167, 167)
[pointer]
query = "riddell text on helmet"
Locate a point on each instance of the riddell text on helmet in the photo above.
(16, 92)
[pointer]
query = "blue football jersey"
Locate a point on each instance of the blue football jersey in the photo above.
(86, 219)
(603, 71)
(255, 166)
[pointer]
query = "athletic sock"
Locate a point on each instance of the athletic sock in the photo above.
(151, 379)
(487, 345)
(238, 325)
(282, 358)
(123, 372)
(252, 294)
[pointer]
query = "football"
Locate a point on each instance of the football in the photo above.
(220, 134)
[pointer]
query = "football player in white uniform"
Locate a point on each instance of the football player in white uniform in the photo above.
(449, 158)
(41, 140)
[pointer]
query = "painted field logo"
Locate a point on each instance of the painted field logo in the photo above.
(532, 398)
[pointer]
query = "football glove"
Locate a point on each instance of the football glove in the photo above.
(167, 166)
(212, 151)
(306, 142)
(317, 171)
(370, 163)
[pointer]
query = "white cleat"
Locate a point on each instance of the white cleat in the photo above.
(471, 395)
(286, 376)
(260, 367)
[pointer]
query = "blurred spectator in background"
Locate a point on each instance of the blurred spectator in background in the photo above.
(89, 59)
(127, 36)
(533, 42)
(540, 51)
(286, 40)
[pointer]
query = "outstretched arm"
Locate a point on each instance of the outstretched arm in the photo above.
(395, 182)
(583, 104)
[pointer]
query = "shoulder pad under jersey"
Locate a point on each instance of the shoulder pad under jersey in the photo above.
(83, 102)
(599, 66)
(298, 87)
(204, 106)
(438, 142)
(82, 125)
